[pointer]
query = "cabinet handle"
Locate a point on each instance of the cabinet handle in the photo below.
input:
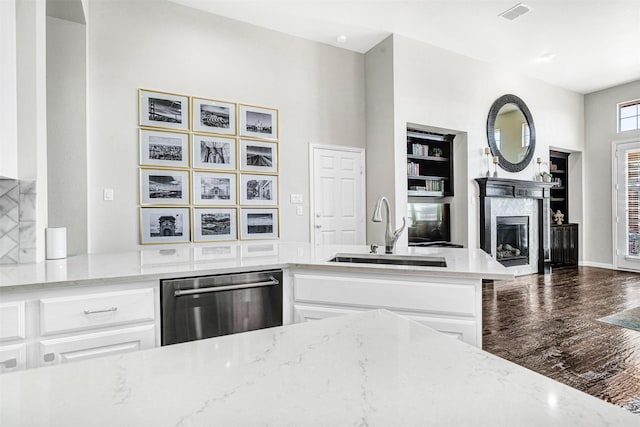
(106, 310)
(10, 363)
(49, 357)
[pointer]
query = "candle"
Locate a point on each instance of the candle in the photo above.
(495, 159)
(486, 150)
(539, 160)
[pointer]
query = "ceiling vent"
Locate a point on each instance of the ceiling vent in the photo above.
(516, 11)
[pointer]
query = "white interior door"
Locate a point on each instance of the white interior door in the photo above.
(338, 195)
(626, 204)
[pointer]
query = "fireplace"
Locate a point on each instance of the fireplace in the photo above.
(512, 240)
(502, 197)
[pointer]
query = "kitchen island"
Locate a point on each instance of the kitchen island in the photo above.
(373, 368)
(196, 260)
(82, 307)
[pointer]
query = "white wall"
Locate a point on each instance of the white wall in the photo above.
(8, 95)
(32, 118)
(67, 130)
(600, 132)
(380, 130)
(438, 88)
(318, 89)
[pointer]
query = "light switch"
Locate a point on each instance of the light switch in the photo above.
(296, 199)
(299, 210)
(108, 194)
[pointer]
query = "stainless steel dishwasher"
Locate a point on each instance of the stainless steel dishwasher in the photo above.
(203, 307)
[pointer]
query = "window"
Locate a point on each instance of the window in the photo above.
(629, 116)
(497, 134)
(632, 188)
(526, 136)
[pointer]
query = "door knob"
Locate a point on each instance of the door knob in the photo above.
(318, 226)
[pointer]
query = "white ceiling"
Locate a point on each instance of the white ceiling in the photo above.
(596, 43)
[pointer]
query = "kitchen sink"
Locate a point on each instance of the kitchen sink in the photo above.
(420, 261)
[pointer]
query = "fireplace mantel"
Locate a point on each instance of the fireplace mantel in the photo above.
(503, 187)
(515, 188)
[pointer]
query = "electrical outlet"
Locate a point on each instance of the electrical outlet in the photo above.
(299, 210)
(108, 194)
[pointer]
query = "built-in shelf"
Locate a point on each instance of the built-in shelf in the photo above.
(420, 193)
(431, 158)
(429, 164)
(560, 192)
(428, 178)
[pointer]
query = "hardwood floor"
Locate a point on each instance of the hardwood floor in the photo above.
(548, 324)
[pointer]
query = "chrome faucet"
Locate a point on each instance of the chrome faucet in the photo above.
(390, 236)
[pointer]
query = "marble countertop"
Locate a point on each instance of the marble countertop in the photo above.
(372, 368)
(196, 260)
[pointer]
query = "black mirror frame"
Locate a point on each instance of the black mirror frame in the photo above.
(491, 127)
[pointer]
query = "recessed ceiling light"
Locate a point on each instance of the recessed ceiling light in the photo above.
(516, 11)
(341, 38)
(546, 57)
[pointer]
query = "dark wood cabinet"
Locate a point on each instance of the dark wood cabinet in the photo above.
(564, 245)
(429, 164)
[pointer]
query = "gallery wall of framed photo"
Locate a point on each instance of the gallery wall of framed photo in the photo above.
(208, 169)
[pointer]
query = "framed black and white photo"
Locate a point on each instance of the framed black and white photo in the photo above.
(258, 156)
(164, 187)
(258, 122)
(214, 224)
(213, 116)
(164, 225)
(210, 188)
(214, 152)
(163, 109)
(259, 224)
(162, 148)
(261, 190)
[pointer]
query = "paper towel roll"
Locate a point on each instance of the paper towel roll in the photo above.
(56, 239)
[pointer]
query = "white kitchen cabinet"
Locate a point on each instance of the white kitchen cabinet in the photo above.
(12, 321)
(46, 326)
(13, 357)
(97, 344)
(82, 312)
(449, 305)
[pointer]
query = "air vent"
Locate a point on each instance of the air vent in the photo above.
(516, 11)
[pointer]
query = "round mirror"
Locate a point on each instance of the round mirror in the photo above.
(511, 133)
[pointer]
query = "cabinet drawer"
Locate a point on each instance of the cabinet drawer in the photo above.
(98, 344)
(370, 292)
(12, 321)
(66, 314)
(13, 357)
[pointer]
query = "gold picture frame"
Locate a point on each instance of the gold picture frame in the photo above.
(163, 110)
(258, 122)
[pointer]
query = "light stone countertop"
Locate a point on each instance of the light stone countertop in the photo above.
(155, 263)
(373, 368)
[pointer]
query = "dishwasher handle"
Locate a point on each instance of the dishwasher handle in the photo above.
(182, 292)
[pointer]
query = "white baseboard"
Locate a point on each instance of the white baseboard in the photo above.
(598, 265)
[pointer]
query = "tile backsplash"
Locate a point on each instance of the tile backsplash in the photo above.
(17, 221)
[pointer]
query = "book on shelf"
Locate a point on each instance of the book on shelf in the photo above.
(433, 185)
(420, 150)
